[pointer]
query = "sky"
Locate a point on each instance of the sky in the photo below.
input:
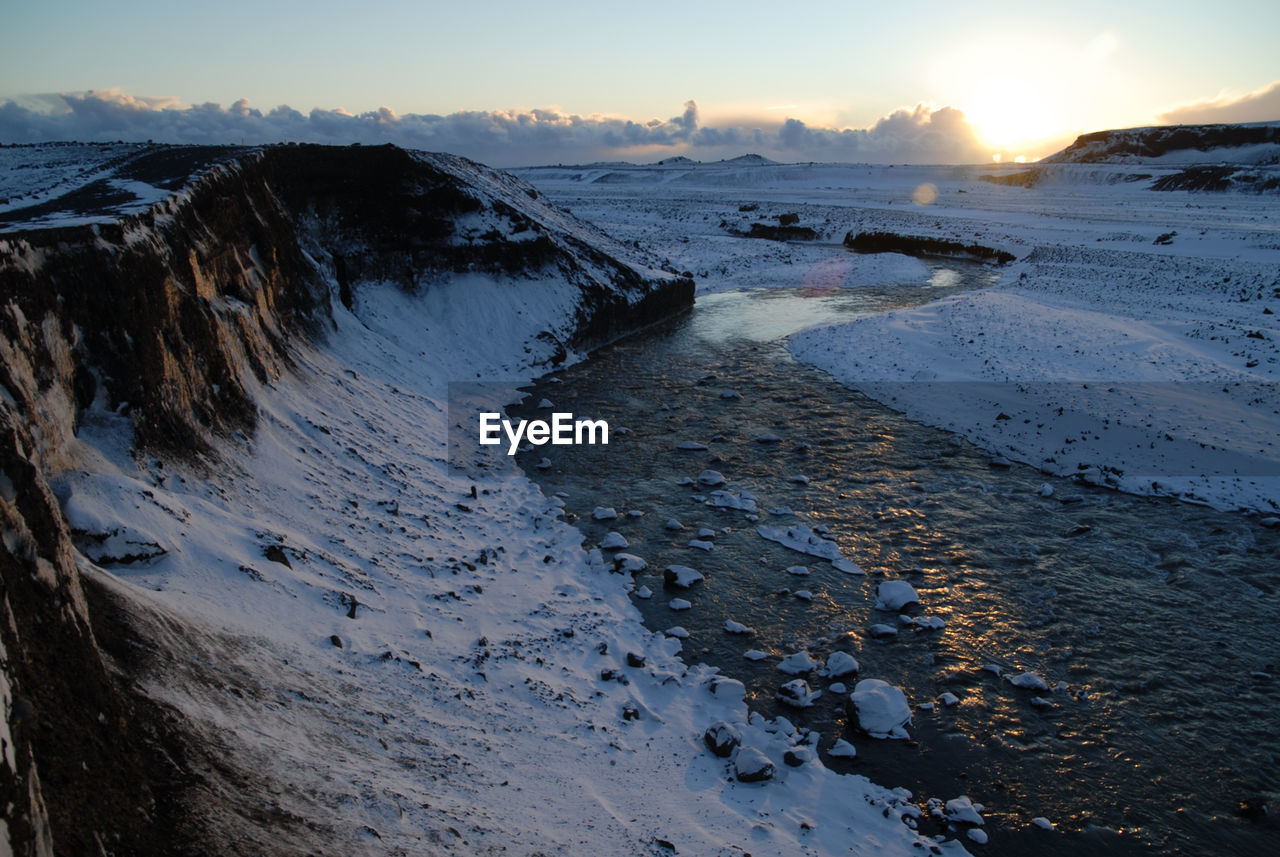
(518, 83)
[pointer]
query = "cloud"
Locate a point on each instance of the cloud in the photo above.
(1261, 105)
(922, 134)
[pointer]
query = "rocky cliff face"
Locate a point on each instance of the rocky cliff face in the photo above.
(171, 316)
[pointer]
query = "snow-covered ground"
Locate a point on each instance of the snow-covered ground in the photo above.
(1163, 303)
(401, 659)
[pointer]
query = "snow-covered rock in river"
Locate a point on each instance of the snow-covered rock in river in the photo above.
(840, 664)
(880, 708)
(842, 749)
(732, 627)
(842, 564)
(798, 663)
(963, 810)
(797, 694)
(801, 538)
(711, 478)
(743, 501)
(614, 541)
(893, 595)
(604, 513)
(1029, 681)
(681, 576)
(628, 563)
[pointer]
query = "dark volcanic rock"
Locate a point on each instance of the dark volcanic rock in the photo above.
(721, 737)
(889, 242)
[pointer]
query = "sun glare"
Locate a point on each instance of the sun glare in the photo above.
(1009, 114)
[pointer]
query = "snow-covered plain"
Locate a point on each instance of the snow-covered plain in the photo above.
(1133, 343)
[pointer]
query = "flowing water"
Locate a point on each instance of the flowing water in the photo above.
(1156, 622)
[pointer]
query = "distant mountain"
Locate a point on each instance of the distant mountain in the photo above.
(1252, 144)
(749, 160)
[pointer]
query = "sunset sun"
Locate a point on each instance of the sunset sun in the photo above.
(1011, 113)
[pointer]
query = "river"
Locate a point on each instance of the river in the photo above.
(1154, 622)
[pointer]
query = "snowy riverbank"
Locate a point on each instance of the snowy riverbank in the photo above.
(1164, 302)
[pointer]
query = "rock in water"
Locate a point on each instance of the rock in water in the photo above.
(880, 708)
(893, 595)
(798, 663)
(842, 749)
(797, 694)
(681, 576)
(1029, 681)
(840, 664)
(614, 541)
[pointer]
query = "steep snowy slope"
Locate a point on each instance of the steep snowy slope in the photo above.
(160, 374)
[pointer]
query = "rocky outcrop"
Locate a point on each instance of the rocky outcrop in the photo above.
(912, 245)
(172, 316)
(1136, 144)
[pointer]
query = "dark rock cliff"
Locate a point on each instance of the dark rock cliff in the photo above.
(170, 316)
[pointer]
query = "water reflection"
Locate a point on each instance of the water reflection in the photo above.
(1155, 617)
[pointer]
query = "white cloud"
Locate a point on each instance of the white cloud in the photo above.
(1261, 105)
(505, 138)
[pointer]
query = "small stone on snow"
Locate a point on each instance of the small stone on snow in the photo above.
(752, 766)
